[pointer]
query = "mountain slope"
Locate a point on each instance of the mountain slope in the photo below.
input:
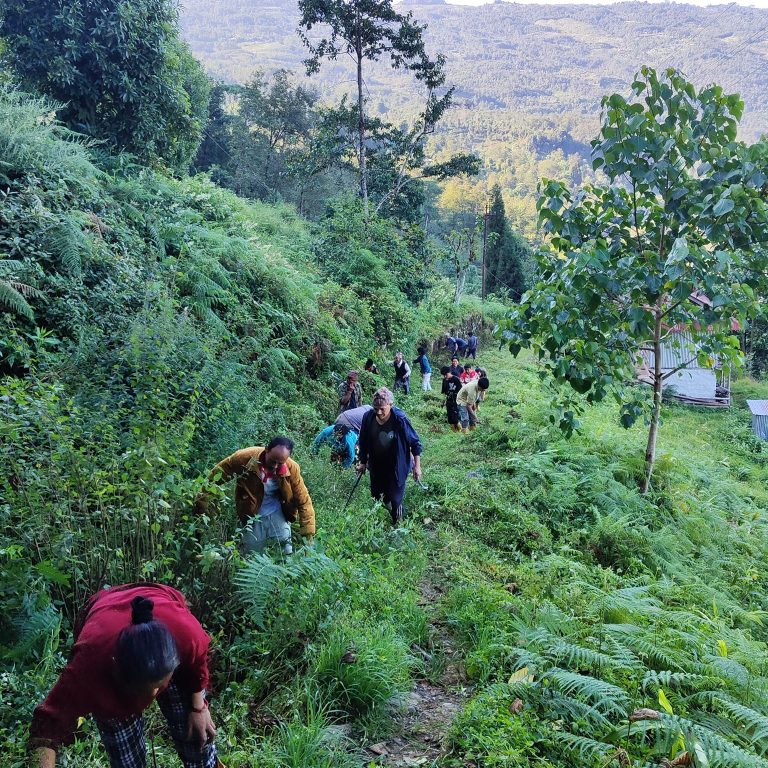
(520, 70)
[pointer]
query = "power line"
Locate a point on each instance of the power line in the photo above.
(727, 56)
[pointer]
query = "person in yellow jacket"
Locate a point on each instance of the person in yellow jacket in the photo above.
(269, 495)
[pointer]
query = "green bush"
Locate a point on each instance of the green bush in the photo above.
(493, 733)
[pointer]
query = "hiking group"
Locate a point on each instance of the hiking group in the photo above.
(139, 642)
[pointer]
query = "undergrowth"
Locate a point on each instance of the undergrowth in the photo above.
(596, 627)
(599, 627)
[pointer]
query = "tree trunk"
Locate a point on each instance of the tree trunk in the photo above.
(361, 132)
(461, 277)
(653, 431)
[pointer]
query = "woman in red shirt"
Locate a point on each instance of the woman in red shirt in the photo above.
(133, 644)
(468, 375)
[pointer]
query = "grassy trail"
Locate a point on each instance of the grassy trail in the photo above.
(572, 602)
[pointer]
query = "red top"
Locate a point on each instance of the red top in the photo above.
(87, 685)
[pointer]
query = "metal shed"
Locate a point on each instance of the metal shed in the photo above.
(690, 382)
(759, 409)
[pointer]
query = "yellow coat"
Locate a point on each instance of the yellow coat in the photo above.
(249, 491)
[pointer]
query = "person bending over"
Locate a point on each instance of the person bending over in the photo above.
(133, 644)
(468, 399)
(342, 441)
(269, 495)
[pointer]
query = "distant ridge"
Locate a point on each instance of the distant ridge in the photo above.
(529, 78)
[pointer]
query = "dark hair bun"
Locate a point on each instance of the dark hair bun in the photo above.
(141, 610)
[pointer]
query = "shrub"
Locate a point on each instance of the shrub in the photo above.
(494, 733)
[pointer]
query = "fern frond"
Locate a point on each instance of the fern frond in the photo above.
(32, 626)
(754, 724)
(564, 653)
(729, 669)
(675, 680)
(605, 697)
(622, 655)
(720, 752)
(260, 580)
(67, 241)
(653, 654)
(532, 660)
(588, 750)
(554, 705)
(256, 583)
(12, 299)
(720, 725)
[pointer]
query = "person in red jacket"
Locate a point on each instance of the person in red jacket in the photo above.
(133, 644)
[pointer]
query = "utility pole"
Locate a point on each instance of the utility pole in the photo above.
(485, 242)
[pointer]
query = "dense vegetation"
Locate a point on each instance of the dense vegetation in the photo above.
(152, 321)
(152, 326)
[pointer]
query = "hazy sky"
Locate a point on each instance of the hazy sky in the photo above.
(754, 3)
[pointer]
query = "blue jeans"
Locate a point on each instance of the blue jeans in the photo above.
(467, 417)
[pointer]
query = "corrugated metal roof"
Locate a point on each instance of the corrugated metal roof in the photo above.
(677, 350)
(758, 407)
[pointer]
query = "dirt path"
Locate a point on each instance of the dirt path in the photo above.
(431, 706)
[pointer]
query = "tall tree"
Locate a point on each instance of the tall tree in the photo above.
(462, 253)
(117, 66)
(366, 30)
(680, 219)
(280, 115)
(214, 154)
(505, 251)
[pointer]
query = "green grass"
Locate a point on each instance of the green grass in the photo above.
(573, 600)
(574, 594)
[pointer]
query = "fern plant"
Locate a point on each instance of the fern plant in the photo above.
(13, 292)
(261, 580)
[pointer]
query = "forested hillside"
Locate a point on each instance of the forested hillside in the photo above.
(529, 78)
(520, 69)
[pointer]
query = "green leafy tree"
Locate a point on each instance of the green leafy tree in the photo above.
(462, 253)
(367, 30)
(279, 116)
(119, 68)
(270, 140)
(679, 219)
(214, 154)
(397, 163)
(323, 153)
(505, 252)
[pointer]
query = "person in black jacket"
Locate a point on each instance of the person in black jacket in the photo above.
(451, 386)
(389, 446)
